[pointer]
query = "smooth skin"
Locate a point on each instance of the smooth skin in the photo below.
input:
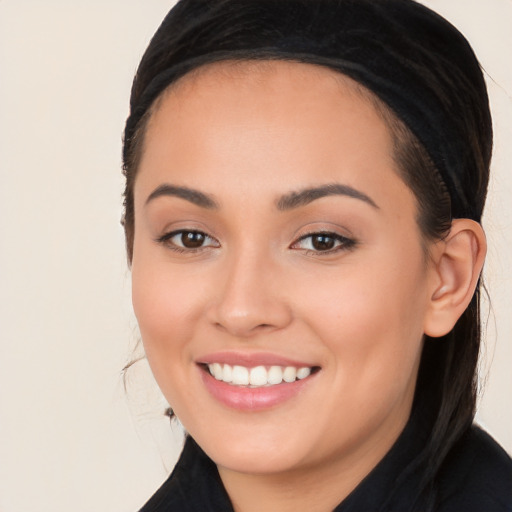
(341, 282)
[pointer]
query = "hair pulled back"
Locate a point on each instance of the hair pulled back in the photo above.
(421, 75)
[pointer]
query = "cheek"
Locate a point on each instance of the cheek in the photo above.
(164, 311)
(371, 320)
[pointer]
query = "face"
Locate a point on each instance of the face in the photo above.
(279, 277)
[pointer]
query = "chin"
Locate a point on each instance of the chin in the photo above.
(254, 460)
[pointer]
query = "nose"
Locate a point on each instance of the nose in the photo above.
(251, 298)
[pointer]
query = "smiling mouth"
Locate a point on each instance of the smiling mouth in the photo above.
(258, 376)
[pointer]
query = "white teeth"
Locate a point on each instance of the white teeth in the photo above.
(227, 373)
(217, 371)
(302, 373)
(258, 376)
(275, 375)
(240, 376)
(290, 374)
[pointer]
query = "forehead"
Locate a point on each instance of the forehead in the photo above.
(271, 76)
(269, 93)
(285, 123)
(260, 71)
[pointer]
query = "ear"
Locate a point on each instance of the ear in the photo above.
(457, 263)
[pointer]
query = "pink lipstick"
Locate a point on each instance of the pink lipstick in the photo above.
(254, 382)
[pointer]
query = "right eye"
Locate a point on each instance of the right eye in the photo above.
(188, 240)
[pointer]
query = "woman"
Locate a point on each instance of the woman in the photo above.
(304, 186)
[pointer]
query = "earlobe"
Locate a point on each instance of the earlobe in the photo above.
(456, 270)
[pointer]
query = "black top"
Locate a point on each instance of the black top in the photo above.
(476, 477)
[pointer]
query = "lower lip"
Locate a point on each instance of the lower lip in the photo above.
(253, 399)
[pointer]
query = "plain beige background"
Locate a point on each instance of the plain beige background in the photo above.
(70, 439)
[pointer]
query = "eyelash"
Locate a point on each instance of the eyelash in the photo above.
(343, 243)
(167, 241)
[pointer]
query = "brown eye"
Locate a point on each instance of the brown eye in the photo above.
(184, 240)
(323, 242)
(192, 239)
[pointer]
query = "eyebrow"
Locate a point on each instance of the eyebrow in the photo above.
(308, 195)
(288, 201)
(193, 196)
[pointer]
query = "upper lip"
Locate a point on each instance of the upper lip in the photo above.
(251, 360)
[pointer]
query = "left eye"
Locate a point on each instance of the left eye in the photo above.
(188, 240)
(323, 242)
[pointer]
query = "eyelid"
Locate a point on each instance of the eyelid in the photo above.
(166, 240)
(344, 243)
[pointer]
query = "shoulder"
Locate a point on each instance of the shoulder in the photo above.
(477, 476)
